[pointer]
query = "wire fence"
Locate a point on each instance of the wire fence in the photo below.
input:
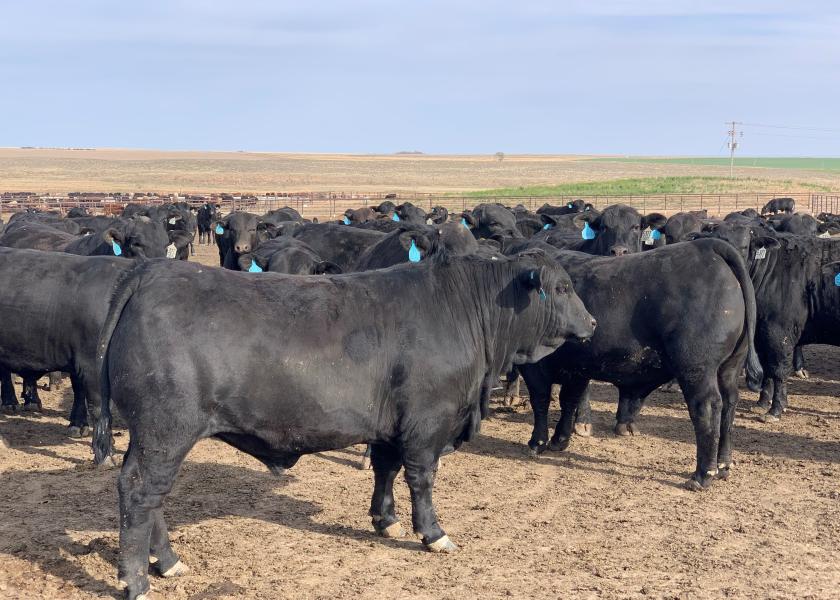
(331, 205)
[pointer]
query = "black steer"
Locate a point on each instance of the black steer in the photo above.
(657, 321)
(35, 338)
(777, 205)
(351, 366)
(338, 244)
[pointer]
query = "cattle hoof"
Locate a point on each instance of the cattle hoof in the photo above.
(626, 429)
(802, 374)
(770, 418)
(442, 546)
(176, 570)
(107, 463)
(693, 485)
(583, 429)
(759, 408)
(559, 444)
(365, 463)
(85, 431)
(393, 531)
(9, 408)
(723, 472)
(74, 432)
(32, 407)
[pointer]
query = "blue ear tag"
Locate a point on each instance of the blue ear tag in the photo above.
(395, 217)
(254, 268)
(413, 253)
(588, 233)
(220, 230)
(464, 223)
(115, 246)
(570, 205)
(837, 280)
(346, 220)
(547, 226)
(542, 294)
(655, 234)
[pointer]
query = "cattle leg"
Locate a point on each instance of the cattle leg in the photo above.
(765, 397)
(571, 394)
(366, 459)
(146, 478)
(539, 393)
(728, 383)
(78, 413)
(629, 406)
(583, 419)
(386, 463)
(162, 556)
(8, 397)
(31, 400)
(512, 389)
(799, 363)
(420, 470)
(704, 406)
(779, 404)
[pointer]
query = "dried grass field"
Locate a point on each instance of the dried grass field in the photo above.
(61, 171)
(609, 518)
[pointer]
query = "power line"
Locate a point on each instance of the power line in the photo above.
(826, 129)
(806, 137)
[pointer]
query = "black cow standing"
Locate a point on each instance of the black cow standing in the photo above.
(352, 366)
(205, 221)
(777, 205)
(658, 320)
(35, 338)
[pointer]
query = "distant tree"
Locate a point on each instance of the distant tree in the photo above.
(500, 156)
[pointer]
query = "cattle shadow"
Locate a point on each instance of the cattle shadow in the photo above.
(572, 458)
(38, 436)
(81, 500)
(769, 440)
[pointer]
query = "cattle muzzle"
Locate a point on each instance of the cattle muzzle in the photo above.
(242, 248)
(619, 250)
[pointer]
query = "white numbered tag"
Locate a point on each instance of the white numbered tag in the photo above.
(760, 253)
(824, 234)
(173, 220)
(171, 251)
(647, 237)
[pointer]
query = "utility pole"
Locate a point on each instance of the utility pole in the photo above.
(732, 144)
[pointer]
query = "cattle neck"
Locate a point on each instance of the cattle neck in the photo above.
(486, 297)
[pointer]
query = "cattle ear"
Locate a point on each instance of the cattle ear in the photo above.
(580, 219)
(112, 235)
(326, 267)
(548, 220)
(654, 220)
(266, 230)
(416, 243)
(469, 220)
(832, 270)
(250, 263)
(765, 242)
(695, 235)
(709, 227)
(86, 231)
(532, 280)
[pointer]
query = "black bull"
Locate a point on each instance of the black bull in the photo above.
(312, 364)
(685, 311)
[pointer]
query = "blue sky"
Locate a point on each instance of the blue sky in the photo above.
(579, 76)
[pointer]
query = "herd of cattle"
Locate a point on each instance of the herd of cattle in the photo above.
(392, 325)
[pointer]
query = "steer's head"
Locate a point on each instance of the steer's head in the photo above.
(544, 290)
(618, 229)
(138, 237)
(746, 238)
(240, 228)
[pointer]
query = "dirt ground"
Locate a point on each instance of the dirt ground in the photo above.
(608, 518)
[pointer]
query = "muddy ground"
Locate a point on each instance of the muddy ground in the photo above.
(609, 518)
